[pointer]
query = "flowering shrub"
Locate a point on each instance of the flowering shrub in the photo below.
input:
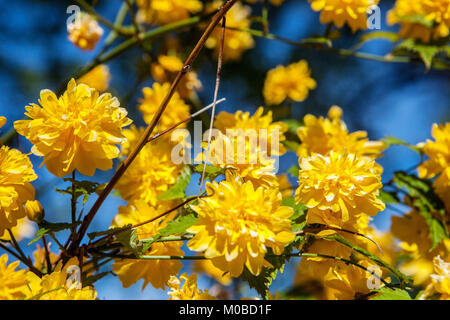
(246, 219)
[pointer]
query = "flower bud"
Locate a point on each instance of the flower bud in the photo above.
(34, 211)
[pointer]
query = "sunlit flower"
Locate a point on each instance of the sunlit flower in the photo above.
(440, 280)
(16, 173)
(438, 164)
(176, 111)
(12, 282)
(166, 69)
(84, 31)
(156, 272)
(166, 11)
(293, 81)
(425, 20)
(187, 290)
(322, 135)
(151, 173)
(339, 188)
(98, 78)
(341, 12)
(237, 224)
(206, 266)
(35, 211)
(79, 130)
(247, 144)
(236, 42)
(58, 286)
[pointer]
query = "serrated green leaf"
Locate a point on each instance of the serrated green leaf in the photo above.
(46, 227)
(178, 226)
(130, 240)
(386, 293)
(299, 209)
(82, 188)
(388, 197)
(177, 191)
(426, 52)
(426, 202)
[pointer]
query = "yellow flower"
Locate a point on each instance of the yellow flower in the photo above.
(2, 121)
(40, 260)
(424, 20)
(248, 147)
(156, 272)
(208, 267)
(237, 224)
(58, 286)
(440, 280)
(284, 185)
(151, 173)
(321, 135)
(236, 42)
(438, 152)
(340, 12)
(188, 290)
(176, 111)
(35, 211)
(12, 282)
(79, 130)
(98, 78)
(166, 69)
(166, 11)
(25, 229)
(339, 188)
(16, 173)
(84, 31)
(293, 82)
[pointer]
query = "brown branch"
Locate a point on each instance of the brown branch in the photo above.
(143, 140)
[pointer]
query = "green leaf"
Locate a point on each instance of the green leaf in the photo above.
(299, 209)
(46, 227)
(388, 197)
(376, 35)
(94, 235)
(393, 141)
(177, 191)
(293, 125)
(426, 52)
(291, 145)
(426, 202)
(130, 240)
(178, 226)
(386, 293)
(294, 170)
(82, 188)
(211, 172)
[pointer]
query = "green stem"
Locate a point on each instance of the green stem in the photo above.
(167, 239)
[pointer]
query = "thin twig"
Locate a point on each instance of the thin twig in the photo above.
(47, 255)
(216, 92)
(143, 140)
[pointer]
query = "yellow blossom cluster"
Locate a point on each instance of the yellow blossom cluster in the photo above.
(16, 173)
(98, 78)
(440, 280)
(425, 20)
(438, 164)
(322, 135)
(293, 81)
(166, 69)
(237, 41)
(166, 11)
(78, 131)
(156, 272)
(84, 31)
(176, 111)
(344, 12)
(188, 290)
(238, 223)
